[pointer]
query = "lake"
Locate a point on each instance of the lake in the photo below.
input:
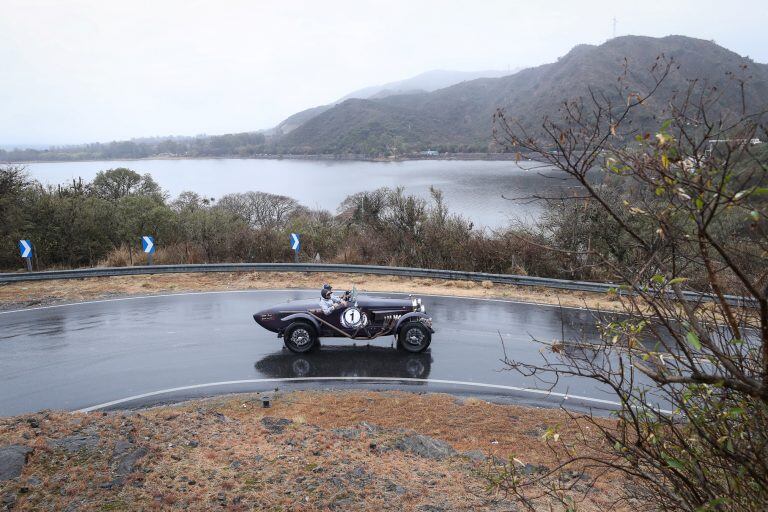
(475, 189)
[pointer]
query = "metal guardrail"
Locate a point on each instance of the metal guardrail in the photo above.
(517, 280)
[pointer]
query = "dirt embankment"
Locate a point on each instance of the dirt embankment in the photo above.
(41, 293)
(308, 451)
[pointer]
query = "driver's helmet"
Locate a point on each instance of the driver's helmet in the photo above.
(325, 292)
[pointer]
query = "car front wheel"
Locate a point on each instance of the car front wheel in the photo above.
(414, 337)
(300, 337)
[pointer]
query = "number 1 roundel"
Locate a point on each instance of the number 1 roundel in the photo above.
(351, 317)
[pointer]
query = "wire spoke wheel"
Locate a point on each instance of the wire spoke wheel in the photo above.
(300, 337)
(414, 337)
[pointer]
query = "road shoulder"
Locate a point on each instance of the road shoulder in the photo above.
(46, 293)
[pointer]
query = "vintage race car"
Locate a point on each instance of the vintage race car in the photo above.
(301, 322)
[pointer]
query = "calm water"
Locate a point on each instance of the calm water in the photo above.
(472, 188)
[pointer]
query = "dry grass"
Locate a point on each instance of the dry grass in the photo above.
(168, 255)
(217, 453)
(14, 295)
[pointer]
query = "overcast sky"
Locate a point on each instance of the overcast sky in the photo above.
(80, 71)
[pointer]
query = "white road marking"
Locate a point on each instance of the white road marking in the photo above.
(271, 290)
(564, 396)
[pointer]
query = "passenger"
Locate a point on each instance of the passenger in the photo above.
(329, 302)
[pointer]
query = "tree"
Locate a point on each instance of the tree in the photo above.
(212, 228)
(13, 218)
(71, 226)
(689, 209)
(139, 215)
(260, 210)
(114, 184)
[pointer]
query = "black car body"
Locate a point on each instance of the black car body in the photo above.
(301, 322)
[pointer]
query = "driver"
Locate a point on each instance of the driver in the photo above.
(329, 302)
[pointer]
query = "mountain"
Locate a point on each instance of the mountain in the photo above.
(459, 117)
(425, 82)
(298, 119)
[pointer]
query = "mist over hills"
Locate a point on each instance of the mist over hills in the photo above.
(425, 82)
(458, 118)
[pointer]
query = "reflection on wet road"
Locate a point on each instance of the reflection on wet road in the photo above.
(335, 361)
(75, 356)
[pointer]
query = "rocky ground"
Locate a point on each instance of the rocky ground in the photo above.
(42, 293)
(308, 451)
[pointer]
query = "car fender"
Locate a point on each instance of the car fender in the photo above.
(302, 316)
(412, 316)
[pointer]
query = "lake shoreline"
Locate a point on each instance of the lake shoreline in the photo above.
(490, 157)
(476, 189)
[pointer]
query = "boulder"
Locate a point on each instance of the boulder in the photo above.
(425, 446)
(475, 455)
(533, 469)
(275, 425)
(73, 444)
(125, 457)
(12, 460)
(430, 508)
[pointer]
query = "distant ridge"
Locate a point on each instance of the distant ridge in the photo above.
(459, 117)
(425, 82)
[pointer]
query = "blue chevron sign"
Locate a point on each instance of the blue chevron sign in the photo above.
(148, 244)
(25, 248)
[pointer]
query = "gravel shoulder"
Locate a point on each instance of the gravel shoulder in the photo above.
(44, 293)
(311, 450)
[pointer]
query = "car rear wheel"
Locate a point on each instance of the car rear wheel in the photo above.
(300, 337)
(414, 337)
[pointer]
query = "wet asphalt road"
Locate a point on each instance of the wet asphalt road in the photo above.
(81, 355)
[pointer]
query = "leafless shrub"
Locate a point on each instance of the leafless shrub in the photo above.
(682, 207)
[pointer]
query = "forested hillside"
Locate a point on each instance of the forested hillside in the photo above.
(459, 118)
(236, 144)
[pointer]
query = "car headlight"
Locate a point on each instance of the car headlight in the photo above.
(422, 308)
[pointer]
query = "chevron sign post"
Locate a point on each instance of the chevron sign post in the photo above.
(296, 246)
(25, 248)
(148, 246)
